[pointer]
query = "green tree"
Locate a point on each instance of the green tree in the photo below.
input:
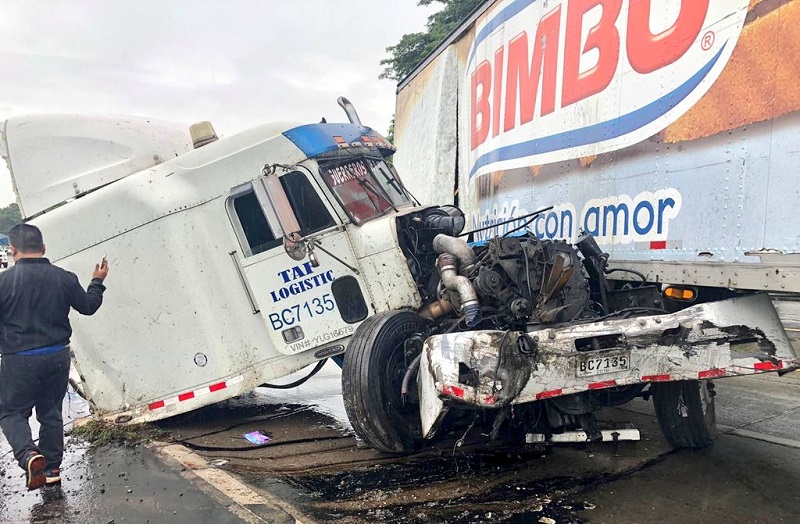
(413, 47)
(390, 134)
(9, 217)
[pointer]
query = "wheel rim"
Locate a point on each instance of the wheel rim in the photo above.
(705, 398)
(405, 413)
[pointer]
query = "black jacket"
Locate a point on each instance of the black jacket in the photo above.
(35, 298)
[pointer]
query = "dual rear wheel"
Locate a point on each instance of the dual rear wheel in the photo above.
(685, 412)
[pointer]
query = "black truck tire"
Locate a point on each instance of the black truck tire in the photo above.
(372, 376)
(685, 412)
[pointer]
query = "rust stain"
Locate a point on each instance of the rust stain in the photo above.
(758, 84)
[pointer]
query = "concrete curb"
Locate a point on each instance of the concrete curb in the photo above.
(251, 506)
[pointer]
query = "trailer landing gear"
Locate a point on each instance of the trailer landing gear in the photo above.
(578, 437)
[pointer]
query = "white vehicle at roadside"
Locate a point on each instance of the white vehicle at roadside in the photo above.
(329, 253)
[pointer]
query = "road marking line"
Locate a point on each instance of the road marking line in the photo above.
(235, 490)
(221, 480)
(755, 435)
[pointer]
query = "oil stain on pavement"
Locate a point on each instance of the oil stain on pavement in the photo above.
(315, 464)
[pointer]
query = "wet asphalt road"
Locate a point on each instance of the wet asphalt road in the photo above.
(110, 484)
(750, 475)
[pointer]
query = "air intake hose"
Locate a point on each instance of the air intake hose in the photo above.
(457, 247)
(446, 263)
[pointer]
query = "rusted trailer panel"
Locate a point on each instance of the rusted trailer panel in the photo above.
(668, 130)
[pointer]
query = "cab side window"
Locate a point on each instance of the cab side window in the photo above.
(254, 224)
(307, 204)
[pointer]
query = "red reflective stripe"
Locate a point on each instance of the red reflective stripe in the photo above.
(712, 373)
(658, 244)
(655, 378)
(768, 366)
(604, 384)
(452, 391)
(193, 394)
(216, 387)
(548, 394)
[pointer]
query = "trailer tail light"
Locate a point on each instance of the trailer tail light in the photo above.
(768, 366)
(685, 294)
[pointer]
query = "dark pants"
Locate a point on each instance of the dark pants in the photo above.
(28, 381)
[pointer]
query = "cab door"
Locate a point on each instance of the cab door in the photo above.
(314, 302)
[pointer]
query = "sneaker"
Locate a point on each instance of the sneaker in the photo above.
(52, 477)
(35, 471)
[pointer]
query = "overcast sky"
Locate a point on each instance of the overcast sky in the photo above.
(235, 63)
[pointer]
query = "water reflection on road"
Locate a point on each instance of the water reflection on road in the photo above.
(19, 505)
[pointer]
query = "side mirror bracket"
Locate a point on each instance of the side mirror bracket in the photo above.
(299, 248)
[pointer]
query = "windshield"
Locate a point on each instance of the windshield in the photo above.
(366, 187)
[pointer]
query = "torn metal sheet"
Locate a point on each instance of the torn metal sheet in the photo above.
(738, 336)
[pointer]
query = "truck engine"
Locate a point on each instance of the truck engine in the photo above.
(512, 283)
(531, 337)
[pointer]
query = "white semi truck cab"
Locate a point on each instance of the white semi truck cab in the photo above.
(322, 250)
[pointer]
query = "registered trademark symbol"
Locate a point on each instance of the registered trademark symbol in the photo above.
(708, 40)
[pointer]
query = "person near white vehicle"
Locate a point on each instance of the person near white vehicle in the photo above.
(35, 300)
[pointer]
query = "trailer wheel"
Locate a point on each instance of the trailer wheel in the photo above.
(685, 412)
(374, 366)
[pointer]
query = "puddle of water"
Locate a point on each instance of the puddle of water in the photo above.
(332, 484)
(46, 505)
(323, 390)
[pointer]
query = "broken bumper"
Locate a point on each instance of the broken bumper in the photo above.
(739, 336)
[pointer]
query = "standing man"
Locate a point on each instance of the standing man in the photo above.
(35, 300)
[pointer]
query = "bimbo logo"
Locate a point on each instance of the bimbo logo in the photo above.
(550, 80)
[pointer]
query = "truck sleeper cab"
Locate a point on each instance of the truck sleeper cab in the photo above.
(181, 331)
